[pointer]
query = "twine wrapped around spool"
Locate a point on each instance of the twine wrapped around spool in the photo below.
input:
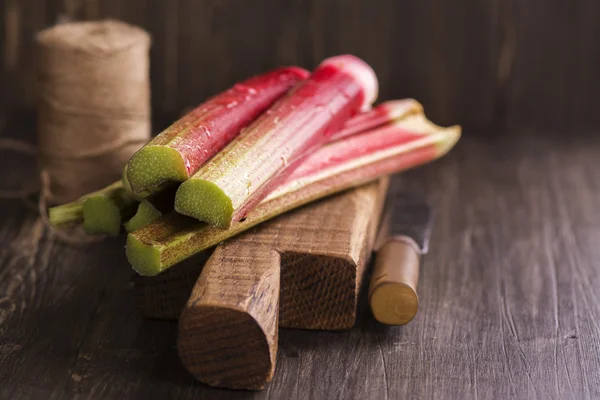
(94, 107)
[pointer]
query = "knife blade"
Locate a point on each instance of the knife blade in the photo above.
(402, 240)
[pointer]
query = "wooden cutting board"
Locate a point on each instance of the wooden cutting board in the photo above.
(301, 270)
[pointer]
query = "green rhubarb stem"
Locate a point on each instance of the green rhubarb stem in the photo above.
(338, 166)
(181, 149)
(73, 212)
(66, 214)
(104, 211)
(152, 208)
(145, 214)
(118, 193)
(228, 186)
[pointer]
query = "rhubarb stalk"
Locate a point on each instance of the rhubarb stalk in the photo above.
(228, 186)
(382, 114)
(73, 212)
(178, 152)
(145, 214)
(338, 166)
(115, 200)
(155, 206)
(146, 192)
(67, 214)
(104, 210)
(151, 208)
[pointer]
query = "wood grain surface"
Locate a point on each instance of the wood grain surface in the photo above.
(509, 297)
(301, 270)
(488, 64)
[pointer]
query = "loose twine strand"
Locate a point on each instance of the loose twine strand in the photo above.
(93, 113)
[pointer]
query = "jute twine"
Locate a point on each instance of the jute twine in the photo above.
(94, 106)
(93, 114)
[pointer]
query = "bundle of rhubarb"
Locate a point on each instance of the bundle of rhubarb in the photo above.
(267, 145)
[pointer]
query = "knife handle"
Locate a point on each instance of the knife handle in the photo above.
(393, 290)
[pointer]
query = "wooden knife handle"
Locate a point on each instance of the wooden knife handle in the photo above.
(393, 290)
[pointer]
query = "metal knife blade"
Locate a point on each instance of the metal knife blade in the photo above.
(406, 215)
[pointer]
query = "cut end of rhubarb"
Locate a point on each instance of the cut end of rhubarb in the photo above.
(153, 165)
(362, 72)
(127, 186)
(146, 213)
(204, 201)
(101, 215)
(144, 258)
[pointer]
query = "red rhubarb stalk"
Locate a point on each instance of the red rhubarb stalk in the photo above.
(158, 204)
(181, 149)
(228, 186)
(338, 166)
(383, 114)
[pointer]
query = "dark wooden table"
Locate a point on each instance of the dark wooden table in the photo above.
(510, 297)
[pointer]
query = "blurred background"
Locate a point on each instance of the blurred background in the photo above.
(490, 65)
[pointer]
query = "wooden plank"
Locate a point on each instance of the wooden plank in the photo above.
(491, 64)
(442, 53)
(302, 270)
(4, 102)
(11, 48)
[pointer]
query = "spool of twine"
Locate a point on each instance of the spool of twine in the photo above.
(94, 105)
